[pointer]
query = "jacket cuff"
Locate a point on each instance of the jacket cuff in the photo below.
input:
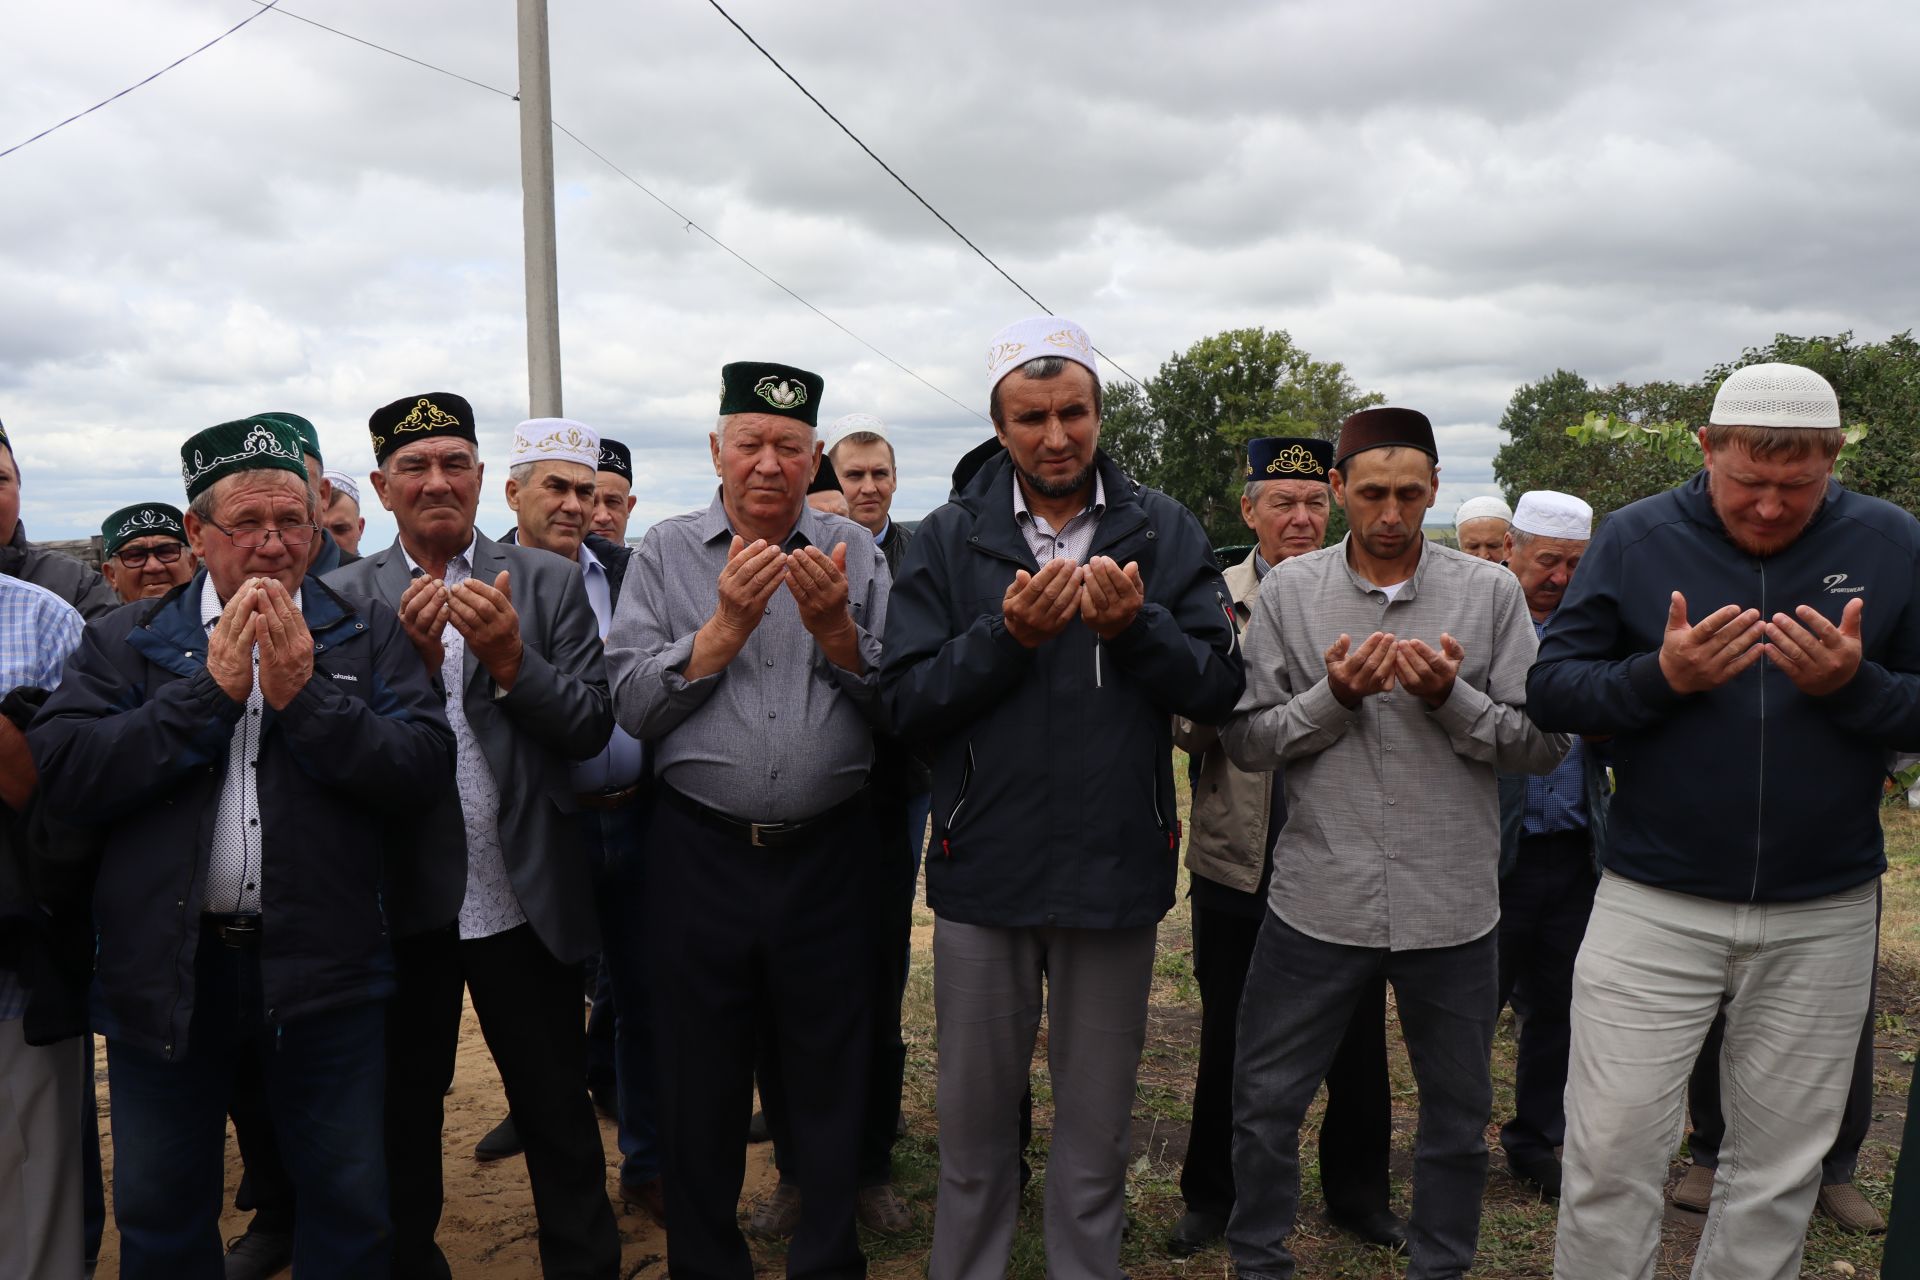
(1867, 687)
(310, 699)
(1646, 679)
(208, 691)
(1003, 639)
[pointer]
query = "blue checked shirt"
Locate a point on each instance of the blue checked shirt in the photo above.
(37, 631)
(1557, 801)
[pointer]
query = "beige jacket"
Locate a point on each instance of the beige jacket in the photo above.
(1227, 836)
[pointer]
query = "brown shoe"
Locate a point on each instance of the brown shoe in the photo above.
(778, 1215)
(1843, 1202)
(649, 1197)
(1695, 1191)
(881, 1209)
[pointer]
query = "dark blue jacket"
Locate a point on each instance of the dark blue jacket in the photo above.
(1052, 768)
(1752, 792)
(134, 745)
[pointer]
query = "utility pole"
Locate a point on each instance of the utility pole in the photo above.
(536, 190)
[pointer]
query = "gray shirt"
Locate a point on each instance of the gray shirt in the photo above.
(781, 734)
(1393, 831)
(1073, 539)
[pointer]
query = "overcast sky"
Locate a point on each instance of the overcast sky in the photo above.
(1452, 197)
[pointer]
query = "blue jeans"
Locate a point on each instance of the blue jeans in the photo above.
(623, 960)
(1299, 999)
(325, 1077)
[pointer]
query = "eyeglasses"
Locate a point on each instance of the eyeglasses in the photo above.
(165, 554)
(248, 537)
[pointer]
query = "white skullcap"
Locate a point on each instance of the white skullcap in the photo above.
(555, 440)
(344, 483)
(1481, 509)
(1033, 339)
(853, 424)
(1553, 515)
(1775, 395)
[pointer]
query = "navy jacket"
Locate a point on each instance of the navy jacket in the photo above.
(1052, 768)
(134, 745)
(1752, 792)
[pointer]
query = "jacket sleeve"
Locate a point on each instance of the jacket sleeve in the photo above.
(560, 697)
(1882, 701)
(1194, 738)
(1582, 681)
(97, 726)
(385, 747)
(935, 677)
(1491, 725)
(1184, 653)
(1273, 722)
(96, 597)
(645, 658)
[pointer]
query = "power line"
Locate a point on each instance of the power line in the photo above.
(265, 5)
(686, 222)
(905, 185)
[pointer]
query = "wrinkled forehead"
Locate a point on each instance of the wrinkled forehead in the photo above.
(434, 450)
(573, 473)
(862, 455)
(1483, 527)
(1540, 546)
(764, 428)
(254, 493)
(1293, 490)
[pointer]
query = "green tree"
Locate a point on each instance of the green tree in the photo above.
(1186, 435)
(1607, 472)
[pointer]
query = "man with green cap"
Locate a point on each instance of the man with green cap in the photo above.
(66, 577)
(146, 551)
(745, 650)
(285, 729)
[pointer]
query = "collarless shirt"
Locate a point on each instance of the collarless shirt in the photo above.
(622, 762)
(233, 857)
(780, 734)
(490, 905)
(1392, 836)
(1072, 540)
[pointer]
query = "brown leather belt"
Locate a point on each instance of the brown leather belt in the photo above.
(233, 930)
(764, 835)
(607, 801)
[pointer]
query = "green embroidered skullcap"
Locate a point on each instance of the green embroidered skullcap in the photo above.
(759, 386)
(142, 520)
(309, 438)
(251, 444)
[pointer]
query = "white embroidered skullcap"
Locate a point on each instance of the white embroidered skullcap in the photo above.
(1032, 339)
(1775, 395)
(1553, 515)
(555, 440)
(344, 483)
(853, 424)
(1481, 509)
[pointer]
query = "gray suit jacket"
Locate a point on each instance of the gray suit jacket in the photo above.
(557, 712)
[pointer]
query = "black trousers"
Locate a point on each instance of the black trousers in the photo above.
(1710, 1126)
(1356, 1134)
(747, 938)
(1544, 904)
(889, 910)
(264, 1186)
(530, 1012)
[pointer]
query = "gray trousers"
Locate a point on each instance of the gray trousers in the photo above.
(987, 999)
(44, 1092)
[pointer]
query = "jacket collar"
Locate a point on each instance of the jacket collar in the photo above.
(171, 635)
(1243, 581)
(988, 497)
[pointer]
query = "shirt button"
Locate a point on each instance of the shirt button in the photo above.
(1389, 857)
(1389, 799)
(772, 714)
(769, 661)
(769, 611)
(254, 822)
(251, 885)
(774, 773)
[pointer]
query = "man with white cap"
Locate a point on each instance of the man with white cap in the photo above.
(1480, 525)
(1757, 622)
(1047, 624)
(342, 517)
(1552, 833)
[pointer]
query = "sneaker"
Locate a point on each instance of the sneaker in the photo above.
(881, 1209)
(1695, 1191)
(778, 1215)
(258, 1254)
(1842, 1202)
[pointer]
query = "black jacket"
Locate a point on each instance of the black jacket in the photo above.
(613, 557)
(134, 744)
(80, 585)
(1052, 768)
(1752, 792)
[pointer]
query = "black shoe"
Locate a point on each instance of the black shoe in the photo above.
(1380, 1227)
(502, 1140)
(1195, 1231)
(258, 1254)
(757, 1130)
(1026, 1173)
(1541, 1172)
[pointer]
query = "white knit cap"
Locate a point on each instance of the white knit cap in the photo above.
(1775, 395)
(853, 424)
(1481, 509)
(1033, 339)
(344, 483)
(1553, 515)
(555, 440)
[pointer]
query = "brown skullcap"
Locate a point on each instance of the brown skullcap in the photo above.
(1385, 429)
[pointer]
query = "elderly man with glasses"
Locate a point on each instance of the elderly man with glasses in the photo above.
(146, 551)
